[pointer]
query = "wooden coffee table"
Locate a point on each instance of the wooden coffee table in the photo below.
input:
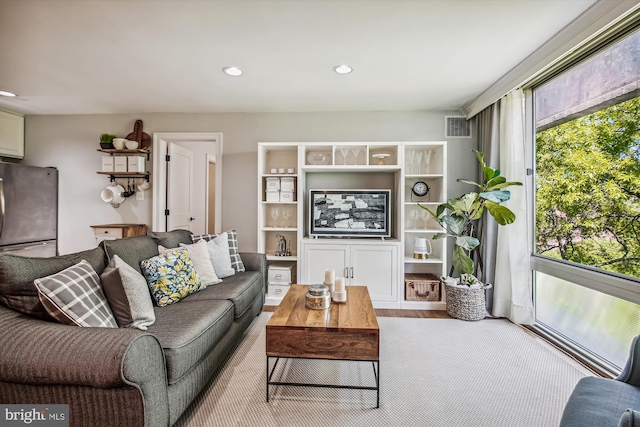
(344, 331)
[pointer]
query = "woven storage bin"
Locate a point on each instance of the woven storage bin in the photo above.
(421, 287)
(466, 303)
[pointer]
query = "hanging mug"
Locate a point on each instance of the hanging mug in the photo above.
(113, 194)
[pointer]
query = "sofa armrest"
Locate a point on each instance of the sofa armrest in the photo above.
(254, 261)
(37, 352)
(631, 372)
(629, 418)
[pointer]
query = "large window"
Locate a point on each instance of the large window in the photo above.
(587, 123)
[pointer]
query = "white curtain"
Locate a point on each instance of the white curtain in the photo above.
(512, 296)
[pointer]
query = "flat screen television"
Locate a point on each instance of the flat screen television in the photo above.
(361, 213)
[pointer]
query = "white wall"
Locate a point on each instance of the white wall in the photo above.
(70, 143)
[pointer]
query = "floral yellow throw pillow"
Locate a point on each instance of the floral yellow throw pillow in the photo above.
(171, 276)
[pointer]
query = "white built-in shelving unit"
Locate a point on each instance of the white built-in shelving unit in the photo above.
(377, 263)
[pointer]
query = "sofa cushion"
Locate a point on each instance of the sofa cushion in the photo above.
(171, 239)
(599, 402)
(171, 276)
(74, 297)
(234, 254)
(128, 295)
(241, 289)
(132, 250)
(18, 273)
(188, 331)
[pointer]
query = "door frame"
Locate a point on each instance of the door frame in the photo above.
(211, 159)
(161, 141)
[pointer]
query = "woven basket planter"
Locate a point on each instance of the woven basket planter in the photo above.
(466, 303)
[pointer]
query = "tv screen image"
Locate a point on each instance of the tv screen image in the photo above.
(363, 213)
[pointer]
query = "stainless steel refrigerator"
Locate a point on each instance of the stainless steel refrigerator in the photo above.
(28, 210)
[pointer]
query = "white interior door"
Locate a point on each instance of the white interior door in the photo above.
(179, 188)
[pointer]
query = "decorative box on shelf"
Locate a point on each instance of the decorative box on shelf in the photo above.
(287, 184)
(421, 287)
(282, 271)
(286, 197)
(280, 276)
(277, 289)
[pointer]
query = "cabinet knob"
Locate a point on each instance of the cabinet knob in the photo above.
(192, 219)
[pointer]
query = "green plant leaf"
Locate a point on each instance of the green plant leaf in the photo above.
(429, 210)
(502, 214)
(440, 236)
(461, 262)
(455, 223)
(440, 210)
(469, 200)
(496, 196)
(457, 206)
(470, 182)
(489, 173)
(495, 181)
(478, 214)
(480, 157)
(503, 185)
(467, 242)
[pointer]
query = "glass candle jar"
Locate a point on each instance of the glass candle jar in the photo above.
(318, 297)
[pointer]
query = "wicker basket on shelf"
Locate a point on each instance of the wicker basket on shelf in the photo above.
(466, 303)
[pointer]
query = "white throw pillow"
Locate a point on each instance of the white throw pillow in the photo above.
(201, 261)
(219, 254)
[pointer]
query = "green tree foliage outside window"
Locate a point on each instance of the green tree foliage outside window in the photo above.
(588, 189)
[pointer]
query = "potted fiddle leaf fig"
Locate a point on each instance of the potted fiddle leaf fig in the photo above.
(458, 218)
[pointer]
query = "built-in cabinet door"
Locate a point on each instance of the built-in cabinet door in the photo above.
(319, 257)
(375, 266)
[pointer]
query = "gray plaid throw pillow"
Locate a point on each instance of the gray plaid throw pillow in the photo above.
(74, 297)
(236, 261)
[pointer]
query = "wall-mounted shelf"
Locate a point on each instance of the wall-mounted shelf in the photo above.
(114, 175)
(113, 151)
(125, 152)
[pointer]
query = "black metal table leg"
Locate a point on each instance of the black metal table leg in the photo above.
(267, 379)
(376, 374)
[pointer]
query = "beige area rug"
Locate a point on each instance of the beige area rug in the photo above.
(433, 372)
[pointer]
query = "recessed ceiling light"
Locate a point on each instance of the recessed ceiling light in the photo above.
(5, 93)
(232, 71)
(342, 69)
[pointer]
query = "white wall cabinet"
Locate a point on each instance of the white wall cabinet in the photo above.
(379, 264)
(11, 134)
(361, 263)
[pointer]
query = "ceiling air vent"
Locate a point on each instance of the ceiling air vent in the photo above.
(457, 127)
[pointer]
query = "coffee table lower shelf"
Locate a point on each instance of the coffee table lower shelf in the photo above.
(374, 363)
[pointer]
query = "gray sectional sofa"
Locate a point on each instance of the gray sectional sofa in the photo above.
(121, 376)
(603, 402)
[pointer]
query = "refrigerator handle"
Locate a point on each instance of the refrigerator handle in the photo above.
(1, 207)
